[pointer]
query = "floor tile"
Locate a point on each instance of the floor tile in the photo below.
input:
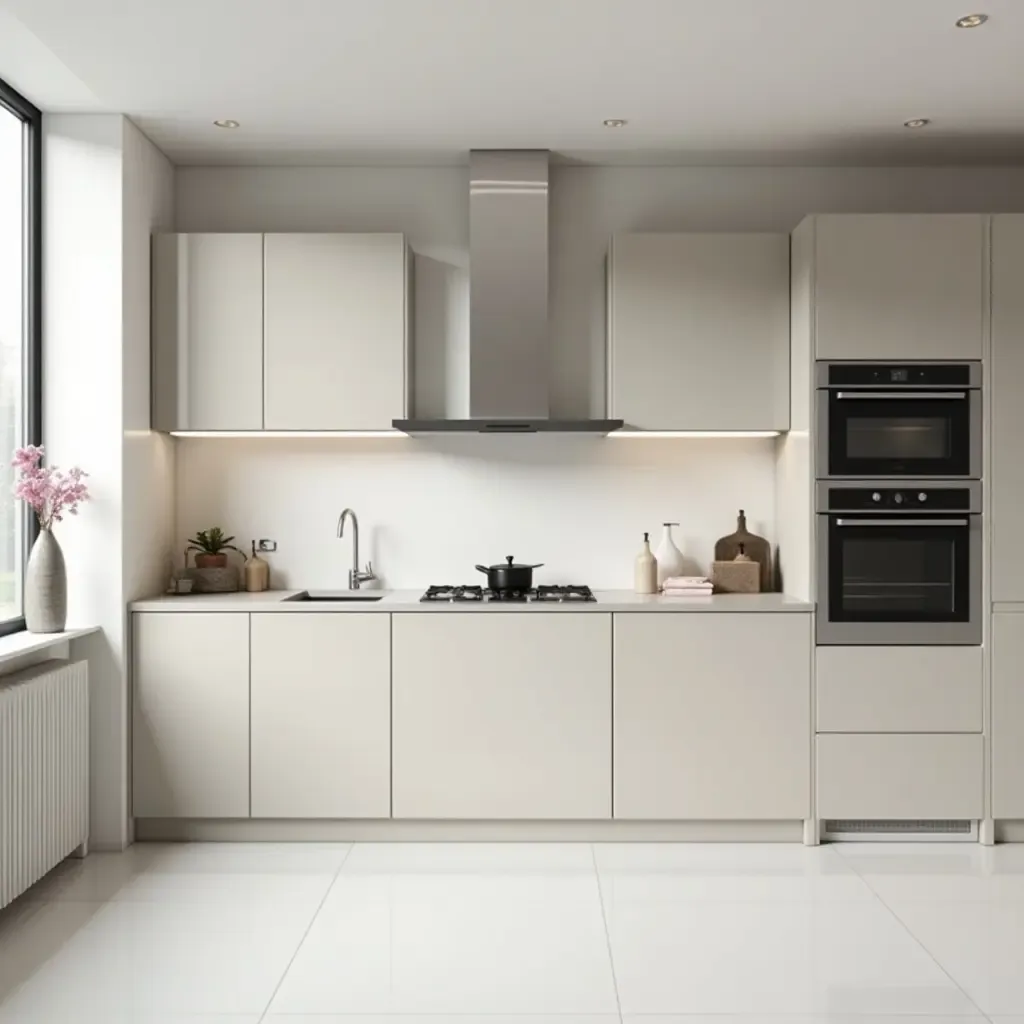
(957, 872)
(981, 945)
(137, 958)
(769, 958)
(195, 872)
(733, 873)
(505, 934)
(784, 1018)
(471, 858)
(431, 1018)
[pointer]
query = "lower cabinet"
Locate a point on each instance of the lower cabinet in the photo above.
(891, 777)
(1008, 715)
(321, 715)
(502, 715)
(190, 740)
(712, 716)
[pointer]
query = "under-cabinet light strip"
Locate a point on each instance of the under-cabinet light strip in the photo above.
(342, 434)
(695, 433)
(288, 433)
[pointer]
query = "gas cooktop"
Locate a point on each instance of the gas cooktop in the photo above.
(543, 595)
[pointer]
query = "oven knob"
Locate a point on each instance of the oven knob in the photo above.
(898, 499)
(876, 496)
(922, 496)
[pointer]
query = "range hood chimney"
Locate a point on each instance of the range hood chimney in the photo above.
(509, 347)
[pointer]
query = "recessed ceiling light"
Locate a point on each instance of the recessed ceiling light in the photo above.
(917, 122)
(971, 20)
(227, 123)
(615, 122)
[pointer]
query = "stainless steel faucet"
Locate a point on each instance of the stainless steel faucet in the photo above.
(355, 574)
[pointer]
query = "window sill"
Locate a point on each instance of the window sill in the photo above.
(17, 645)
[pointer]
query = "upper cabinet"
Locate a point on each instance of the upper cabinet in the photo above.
(899, 286)
(207, 332)
(280, 331)
(336, 331)
(698, 331)
(1006, 390)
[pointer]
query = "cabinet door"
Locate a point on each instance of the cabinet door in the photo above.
(502, 715)
(1008, 715)
(335, 345)
(893, 777)
(899, 286)
(712, 716)
(1006, 387)
(207, 332)
(321, 715)
(699, 331)
(190, 742)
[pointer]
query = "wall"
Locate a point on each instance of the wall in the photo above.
(581, 511)
(104, 185)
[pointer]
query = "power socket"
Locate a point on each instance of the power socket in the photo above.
(266, 545)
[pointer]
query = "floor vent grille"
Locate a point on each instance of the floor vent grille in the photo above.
(910, 830)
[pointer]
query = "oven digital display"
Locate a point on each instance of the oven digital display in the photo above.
(899, 376)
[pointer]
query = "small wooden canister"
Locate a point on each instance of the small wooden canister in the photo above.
(741, 575)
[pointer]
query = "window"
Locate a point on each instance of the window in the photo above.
(20, 302)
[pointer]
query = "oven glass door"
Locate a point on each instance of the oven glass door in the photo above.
(898, 570)
(901, 434)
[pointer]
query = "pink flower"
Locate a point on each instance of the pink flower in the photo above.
(50, 492)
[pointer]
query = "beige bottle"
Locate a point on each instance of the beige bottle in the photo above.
(257, 573)
(645, 580)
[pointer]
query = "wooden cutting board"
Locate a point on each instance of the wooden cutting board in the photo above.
(756, 548)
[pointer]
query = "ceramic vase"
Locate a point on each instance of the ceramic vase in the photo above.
(670, 558)
(46, 586)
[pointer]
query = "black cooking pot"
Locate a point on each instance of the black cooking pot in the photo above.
(509, 576)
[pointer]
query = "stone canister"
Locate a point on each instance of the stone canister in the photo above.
(46, 586)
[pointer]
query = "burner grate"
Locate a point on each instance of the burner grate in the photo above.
(543, 594)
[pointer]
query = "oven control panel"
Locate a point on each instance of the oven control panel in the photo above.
(899, 499)
(900, 375)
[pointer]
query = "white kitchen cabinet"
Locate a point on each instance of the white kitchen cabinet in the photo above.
(190, 740)
(899, 689)
(1006, 391)
(899, 286)
(207, 323)
(712, 716)
(1008, 715)
(336, 318)
(894, 777)
(321, 715)
(698, 331)
(502, 715)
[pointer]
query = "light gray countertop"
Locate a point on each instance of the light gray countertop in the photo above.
(409, 601)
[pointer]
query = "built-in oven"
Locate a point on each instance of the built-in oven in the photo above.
(898, 420)
(899, 564)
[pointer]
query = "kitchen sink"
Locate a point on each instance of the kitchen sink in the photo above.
(334, 595)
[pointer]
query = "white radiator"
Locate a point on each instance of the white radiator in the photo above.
(44, 771)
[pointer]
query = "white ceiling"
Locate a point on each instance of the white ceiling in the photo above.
(423, 81)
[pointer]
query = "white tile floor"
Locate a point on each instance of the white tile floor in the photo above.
(574, 934)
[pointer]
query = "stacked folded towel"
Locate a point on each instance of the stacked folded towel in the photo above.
(683, 586)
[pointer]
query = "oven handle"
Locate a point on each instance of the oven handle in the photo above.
(903, 522)
(940, 395)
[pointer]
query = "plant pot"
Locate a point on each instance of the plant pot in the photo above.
(205, 561)
(46, 586)
(223, 580)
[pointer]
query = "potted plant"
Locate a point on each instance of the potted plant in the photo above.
(210, 547)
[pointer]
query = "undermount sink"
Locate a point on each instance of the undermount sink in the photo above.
(334, 595)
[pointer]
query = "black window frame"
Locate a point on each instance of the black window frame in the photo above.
(32, 291)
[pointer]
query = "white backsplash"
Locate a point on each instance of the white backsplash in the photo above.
(430, 510)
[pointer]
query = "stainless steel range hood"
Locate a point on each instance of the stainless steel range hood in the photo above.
(508, 303)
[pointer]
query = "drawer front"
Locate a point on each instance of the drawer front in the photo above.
(896, 777)
(899, 689)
